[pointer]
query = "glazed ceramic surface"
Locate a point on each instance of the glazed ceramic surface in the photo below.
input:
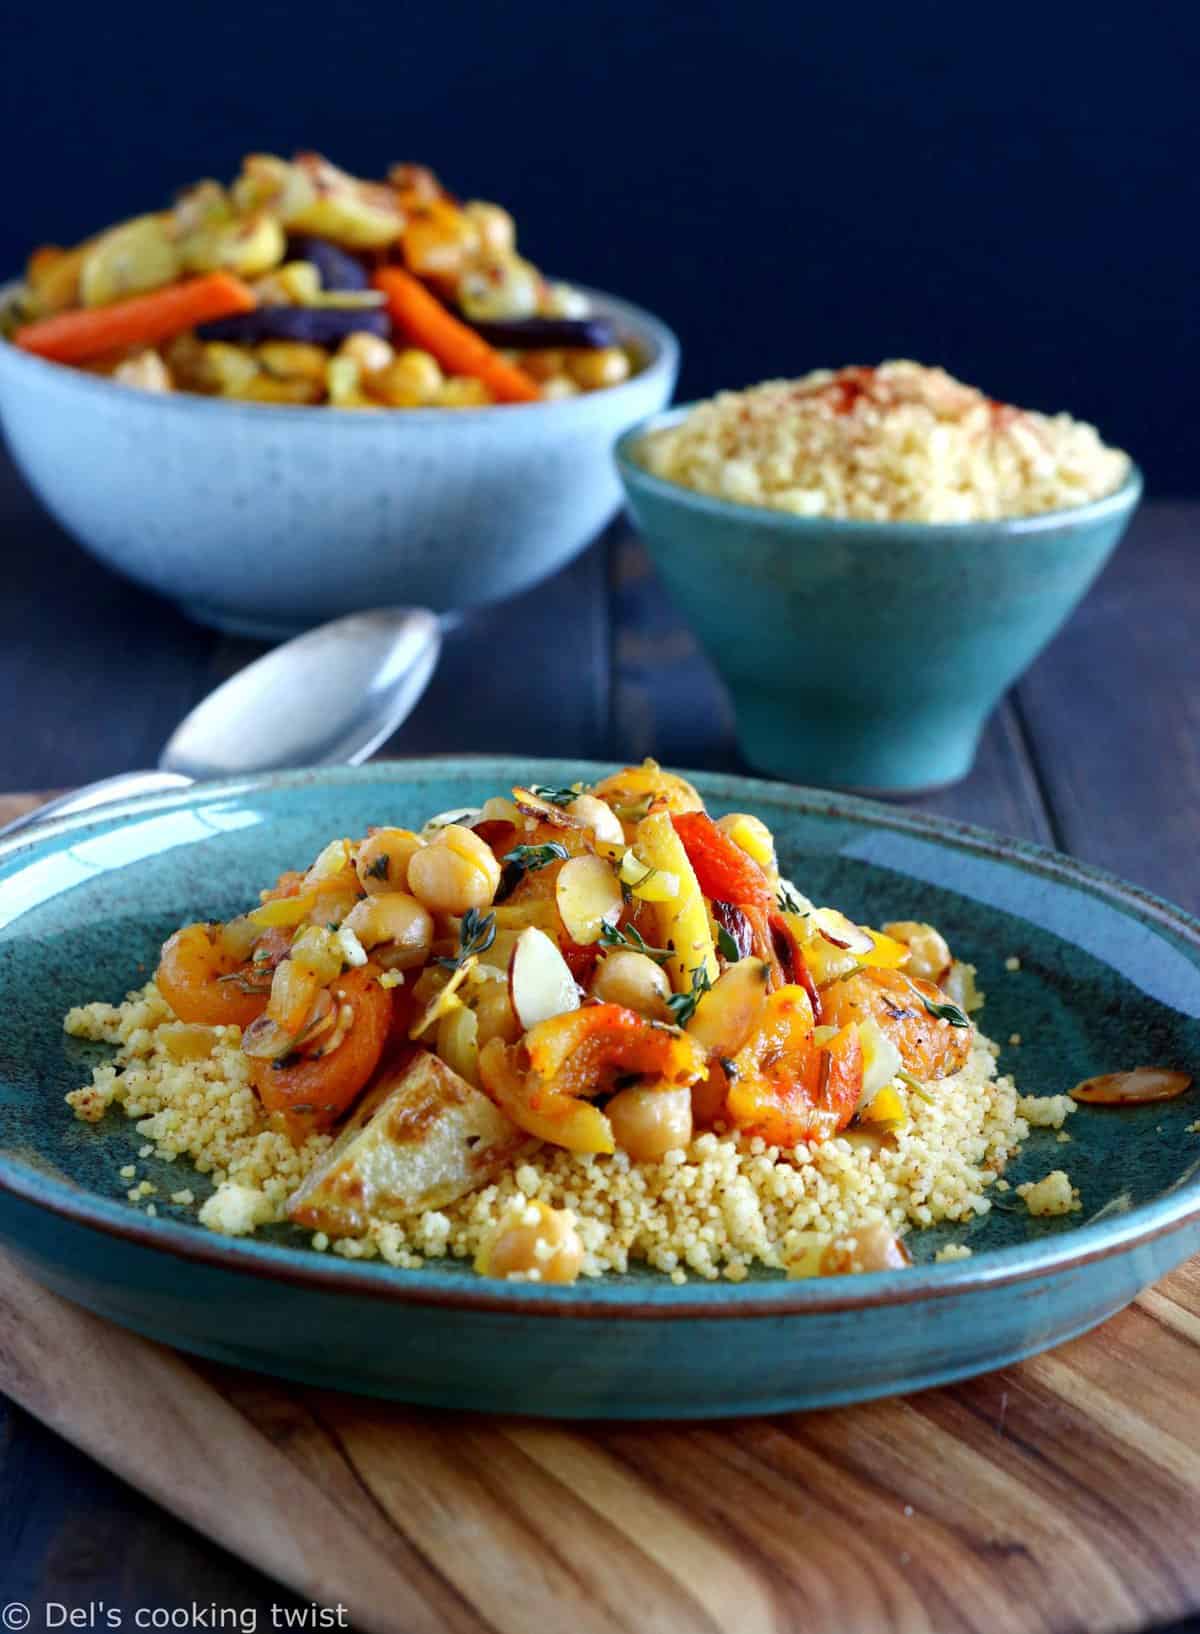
(265, 520)
(1109, 978)
(867, 655)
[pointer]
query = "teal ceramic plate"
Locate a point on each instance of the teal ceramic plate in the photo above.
(1109, 978)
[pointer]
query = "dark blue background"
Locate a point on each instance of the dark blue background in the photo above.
(1009, 189)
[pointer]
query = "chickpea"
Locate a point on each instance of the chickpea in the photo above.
(411, 381)
(461, 391)
(634, 980)
(397, 925)
(876, 1248)
(533, 1237)
(648, 1123)
(495, 227)
(499, 286)
(371, 352)
(597, 367)
(456, 871)
(558, 386)
(293, 359)
(267, 388)
(383, 858)
(929, 953)
(344, 384)
(146, 370)
(543, 365)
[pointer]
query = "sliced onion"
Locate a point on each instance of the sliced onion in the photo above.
(532, 805)
(1126, 1088)
(266, 1040)
(333, 860)
(841, 932)
(647, 883)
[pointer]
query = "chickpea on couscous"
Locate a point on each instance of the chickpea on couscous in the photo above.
(301, 284)
(897, 443)
(570, 1030)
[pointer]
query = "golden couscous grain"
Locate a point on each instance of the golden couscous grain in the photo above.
(1052, 1195)
(901, 442)
(726, 1203)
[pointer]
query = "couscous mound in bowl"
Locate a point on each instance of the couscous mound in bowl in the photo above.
(871, 557)
(899, 443)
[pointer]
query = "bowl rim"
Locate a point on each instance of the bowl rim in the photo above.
(1175, 1210)
(635, 476)
(647, 328)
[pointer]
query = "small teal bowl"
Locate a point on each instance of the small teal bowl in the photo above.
(867, 655)
(266, 520)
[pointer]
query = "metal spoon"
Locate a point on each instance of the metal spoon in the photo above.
(329, 697)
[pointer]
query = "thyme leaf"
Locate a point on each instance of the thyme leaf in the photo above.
(631, 937)
(553, 796)
(529, 858)
(727, 945)
(946, 1012)
(789, 902)
(379, 868)
(476, 934)
(683, 1005)
(526, 859)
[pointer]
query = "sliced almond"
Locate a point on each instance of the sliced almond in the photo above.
(588, 896)
(1127, 1088)
(540, 983)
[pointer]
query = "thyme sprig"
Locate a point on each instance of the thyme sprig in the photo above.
(475, 935)
(683, 1005)
(915, 1084)
(630, 937)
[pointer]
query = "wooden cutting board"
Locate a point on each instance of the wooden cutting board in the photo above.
(1061, 1494)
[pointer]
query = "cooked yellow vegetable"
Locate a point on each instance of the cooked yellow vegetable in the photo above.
(682, 920)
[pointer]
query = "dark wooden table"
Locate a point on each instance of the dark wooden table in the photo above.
(1096, 752)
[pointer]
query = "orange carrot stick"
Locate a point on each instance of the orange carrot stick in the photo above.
(457, 347)
(143, 320)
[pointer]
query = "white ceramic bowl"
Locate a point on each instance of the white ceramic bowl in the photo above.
(265, 520)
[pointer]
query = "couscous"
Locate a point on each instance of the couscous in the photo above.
(572, 1030)
(897, 443)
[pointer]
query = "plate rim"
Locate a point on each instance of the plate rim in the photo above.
(709, 1300)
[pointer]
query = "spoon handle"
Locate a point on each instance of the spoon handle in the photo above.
(98, 794)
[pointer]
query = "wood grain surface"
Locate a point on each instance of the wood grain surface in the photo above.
(1060, 1495)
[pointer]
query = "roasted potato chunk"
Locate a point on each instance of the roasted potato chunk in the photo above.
(421, 1138)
